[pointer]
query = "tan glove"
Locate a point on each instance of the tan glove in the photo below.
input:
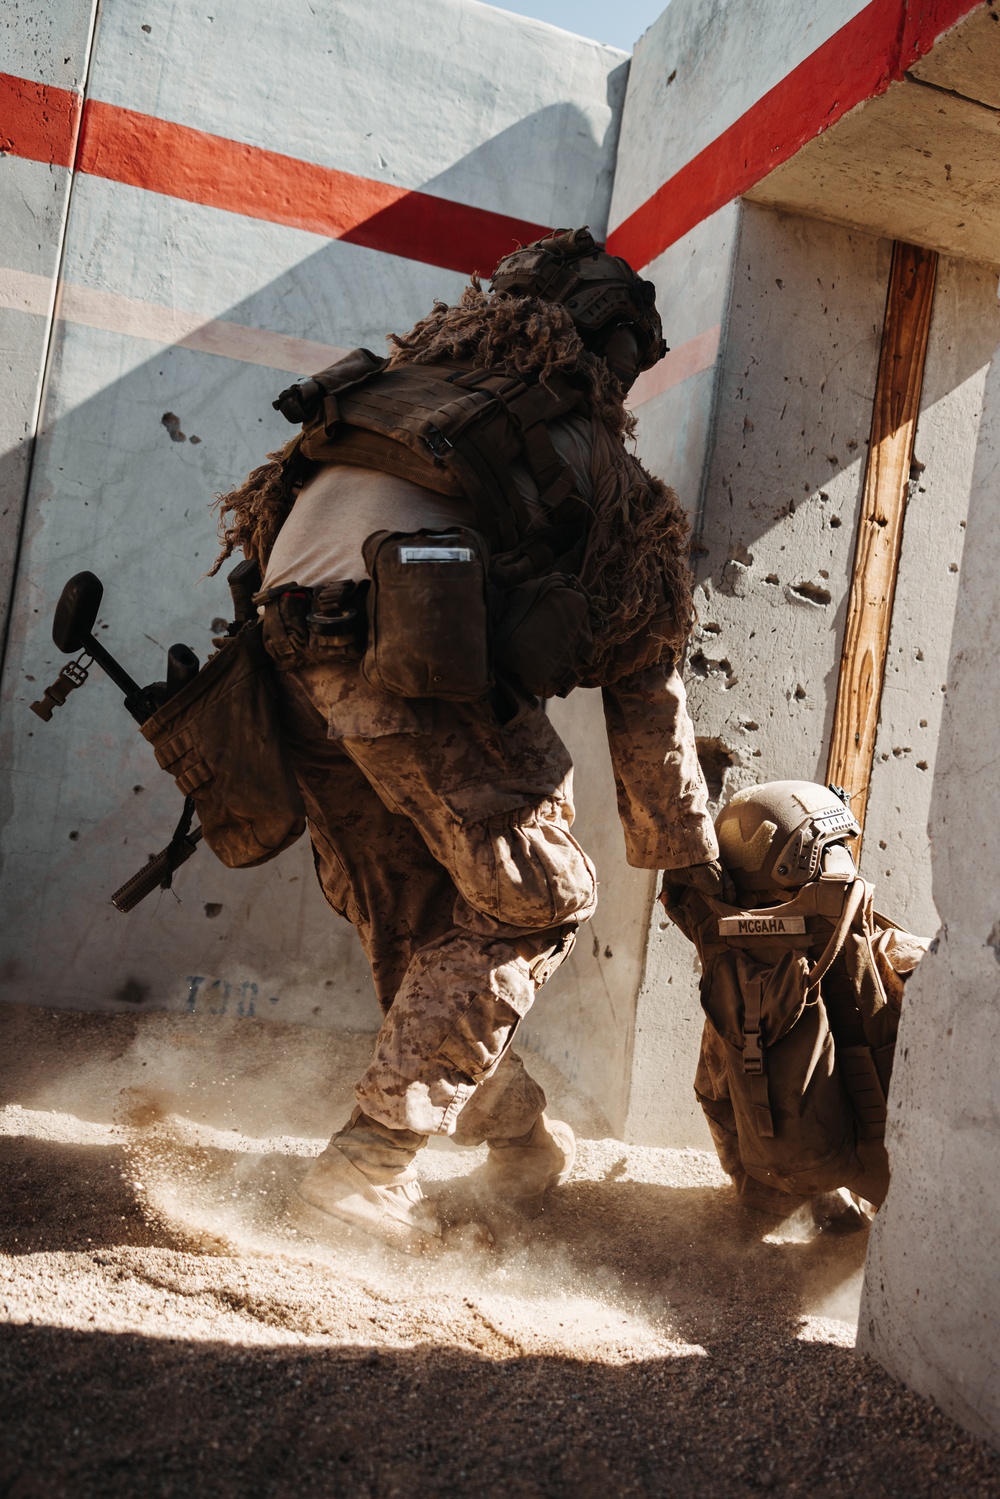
(711, 878)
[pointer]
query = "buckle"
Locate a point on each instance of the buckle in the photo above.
(753, 1053)
(437, 442)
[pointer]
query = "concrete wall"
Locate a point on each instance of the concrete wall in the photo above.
(45, 55)
(188, 296)
(965, 331)
(698, 70)
(932, 1300)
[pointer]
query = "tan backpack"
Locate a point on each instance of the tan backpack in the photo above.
(802, 1004)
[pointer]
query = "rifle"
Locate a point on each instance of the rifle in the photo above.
(72, 631)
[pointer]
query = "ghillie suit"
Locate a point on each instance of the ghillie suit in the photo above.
(626, 546)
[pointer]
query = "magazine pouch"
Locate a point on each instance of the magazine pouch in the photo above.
(220, 739)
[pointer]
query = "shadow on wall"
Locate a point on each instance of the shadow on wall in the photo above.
(784, 482)
(129, 453)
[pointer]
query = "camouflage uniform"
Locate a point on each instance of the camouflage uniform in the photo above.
(441, 830)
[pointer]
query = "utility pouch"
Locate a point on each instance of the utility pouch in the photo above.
(303, 626)
(428, 620)
(543, 634)
(220, 739)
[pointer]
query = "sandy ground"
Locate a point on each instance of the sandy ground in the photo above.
(172, 1325)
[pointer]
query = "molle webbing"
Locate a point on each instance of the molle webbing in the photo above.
(459, 430)
(364, 449)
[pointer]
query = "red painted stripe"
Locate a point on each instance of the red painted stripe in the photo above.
(37, 120)
(857, 63)
(180, 162)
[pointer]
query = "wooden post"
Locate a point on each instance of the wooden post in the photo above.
(880, 526)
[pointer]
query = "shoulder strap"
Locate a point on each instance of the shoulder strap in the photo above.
(301, 403)
(854, 898)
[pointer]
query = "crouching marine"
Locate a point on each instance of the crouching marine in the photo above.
(802, 985)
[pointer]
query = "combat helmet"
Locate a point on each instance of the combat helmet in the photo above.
(601, 292)
(783, 834)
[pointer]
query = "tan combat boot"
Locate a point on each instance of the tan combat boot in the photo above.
(519, 1172)
(842, 1212)
(366, 1178)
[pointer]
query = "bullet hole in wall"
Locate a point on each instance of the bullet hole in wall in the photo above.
(716, 758)
(172, 422)
(810, 593)
(132, 992)
(701, 666)
(993, 940)
(213, 908)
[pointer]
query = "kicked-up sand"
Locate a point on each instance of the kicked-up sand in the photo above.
(175, 1322)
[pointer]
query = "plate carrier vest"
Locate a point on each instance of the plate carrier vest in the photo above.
(457, 430)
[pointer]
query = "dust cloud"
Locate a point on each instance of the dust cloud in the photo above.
(211, 1122)
(173, 1316)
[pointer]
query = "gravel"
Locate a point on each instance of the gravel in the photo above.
(170, 1323)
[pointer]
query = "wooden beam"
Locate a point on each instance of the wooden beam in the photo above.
(880, 526)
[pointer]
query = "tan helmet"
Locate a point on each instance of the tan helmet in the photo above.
(777, 836)
(601, 293)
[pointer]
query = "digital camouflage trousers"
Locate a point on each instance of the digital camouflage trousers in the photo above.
(442, 832)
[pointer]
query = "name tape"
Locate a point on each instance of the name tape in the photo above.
(760, 926)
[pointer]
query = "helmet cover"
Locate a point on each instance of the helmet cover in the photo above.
(601, 292)
(773, 837)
